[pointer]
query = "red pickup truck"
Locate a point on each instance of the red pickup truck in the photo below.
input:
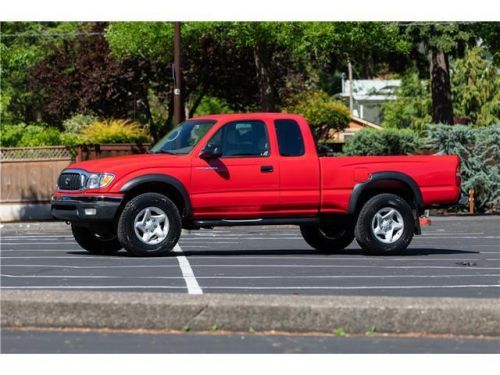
(250, 169)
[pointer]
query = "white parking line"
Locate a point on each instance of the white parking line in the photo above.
(250, 266)
(187, 272)
(95, 287)
(257, 287)
(36, 243)
(247, 277)
(187, 240)
(450, 233)
(67, 242)
(356, 287)
(465, 237)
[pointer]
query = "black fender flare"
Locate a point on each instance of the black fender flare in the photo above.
(387, 176)
(163, 178)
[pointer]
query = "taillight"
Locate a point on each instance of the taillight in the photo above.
(458, 175)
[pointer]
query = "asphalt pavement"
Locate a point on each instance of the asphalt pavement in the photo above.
(42, 342)
(455, 257)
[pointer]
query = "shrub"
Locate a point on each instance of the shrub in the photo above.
(114, 131)
(479, 152)
(36, 136)
(76, 123)
(22, 135)
(322, 112)
(10, 135)
(382, 142)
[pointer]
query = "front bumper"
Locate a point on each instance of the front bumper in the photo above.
(85, 208)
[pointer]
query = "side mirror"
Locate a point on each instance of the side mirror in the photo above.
(211, 152)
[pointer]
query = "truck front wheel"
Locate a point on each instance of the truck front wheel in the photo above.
(95, 243)
(149, 225)
(329, 236)
(385, 225)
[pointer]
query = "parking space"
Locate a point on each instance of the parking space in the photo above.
(454, 257)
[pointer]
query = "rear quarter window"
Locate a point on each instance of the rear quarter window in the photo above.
(290, 140)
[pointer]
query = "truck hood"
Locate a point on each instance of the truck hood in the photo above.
(130, 163)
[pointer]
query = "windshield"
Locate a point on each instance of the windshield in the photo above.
(183, 138)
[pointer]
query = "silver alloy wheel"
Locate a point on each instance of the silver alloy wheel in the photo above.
(388, 225)
(151, 225)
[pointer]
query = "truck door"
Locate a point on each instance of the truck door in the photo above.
(299, 170)
(243, 182)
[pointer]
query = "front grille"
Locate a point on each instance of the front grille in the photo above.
(70, 181)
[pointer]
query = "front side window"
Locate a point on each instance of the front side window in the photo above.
(290, 141)
(242, 138)
(183, 138)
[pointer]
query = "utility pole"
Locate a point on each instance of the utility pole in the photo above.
(351, 101)
(178, 97)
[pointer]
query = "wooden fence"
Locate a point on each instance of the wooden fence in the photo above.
(28, 175)
(90, 152)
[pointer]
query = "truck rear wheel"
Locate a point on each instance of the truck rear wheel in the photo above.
(329, 236)
(385, 225)
(95, 243)
(150, 225)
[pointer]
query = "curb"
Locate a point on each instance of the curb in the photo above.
(229, 312)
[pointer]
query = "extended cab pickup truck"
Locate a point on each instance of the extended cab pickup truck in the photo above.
(250, 169)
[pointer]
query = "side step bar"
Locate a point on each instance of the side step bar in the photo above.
(269, 221)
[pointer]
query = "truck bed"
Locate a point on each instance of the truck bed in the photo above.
(435, 175)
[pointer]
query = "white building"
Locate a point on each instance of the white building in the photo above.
(368, 96)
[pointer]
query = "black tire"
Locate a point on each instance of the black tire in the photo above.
(127, 234)
(95, 243)
(364, 231)
(330, 236)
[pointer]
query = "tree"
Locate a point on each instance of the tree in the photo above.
(246, 64)
(476, 88)
(412, 107)
(78, 75)
(437, 42)
(374, 48)
(278, 51)
(22, 44)
(321, 112)
(212, 65)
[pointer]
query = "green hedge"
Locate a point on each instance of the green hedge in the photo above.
(34, 135)
(382, 142)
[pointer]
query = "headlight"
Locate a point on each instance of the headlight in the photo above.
(99, 180)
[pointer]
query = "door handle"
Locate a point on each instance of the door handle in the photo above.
(266, 168)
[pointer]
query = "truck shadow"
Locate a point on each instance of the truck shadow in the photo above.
(412, 252)
(357, 252)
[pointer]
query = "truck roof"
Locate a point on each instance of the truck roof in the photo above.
(249, 116)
